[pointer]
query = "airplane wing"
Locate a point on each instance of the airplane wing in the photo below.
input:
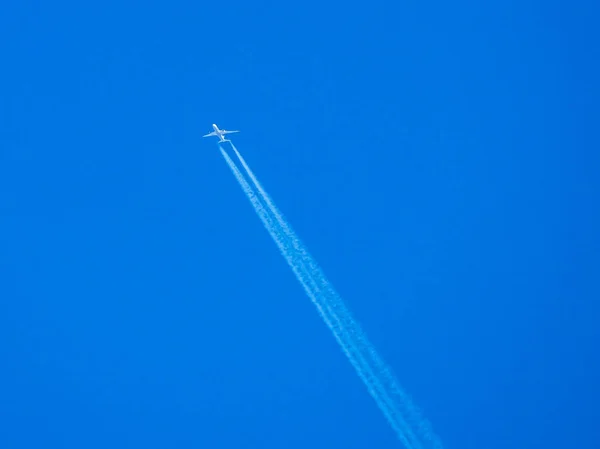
(210, 134)
(229, 132)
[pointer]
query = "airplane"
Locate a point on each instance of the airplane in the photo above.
(219, 133)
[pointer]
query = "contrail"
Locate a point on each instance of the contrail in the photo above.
(403, 416)
(350, 331)
(404, 408)
(305, 281)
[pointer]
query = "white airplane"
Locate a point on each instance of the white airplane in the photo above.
(219, 133)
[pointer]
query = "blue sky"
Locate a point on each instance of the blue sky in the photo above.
(439, 160)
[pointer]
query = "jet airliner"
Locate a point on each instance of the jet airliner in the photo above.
(219, 133)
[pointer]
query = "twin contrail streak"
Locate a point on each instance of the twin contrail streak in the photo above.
(412, 430)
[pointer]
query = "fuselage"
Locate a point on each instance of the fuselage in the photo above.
(219, 133)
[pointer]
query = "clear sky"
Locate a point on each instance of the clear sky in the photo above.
(439, 160)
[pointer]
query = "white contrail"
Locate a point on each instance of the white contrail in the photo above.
(402, 405)
(350, 332)
(305, 281)
(404, 418)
